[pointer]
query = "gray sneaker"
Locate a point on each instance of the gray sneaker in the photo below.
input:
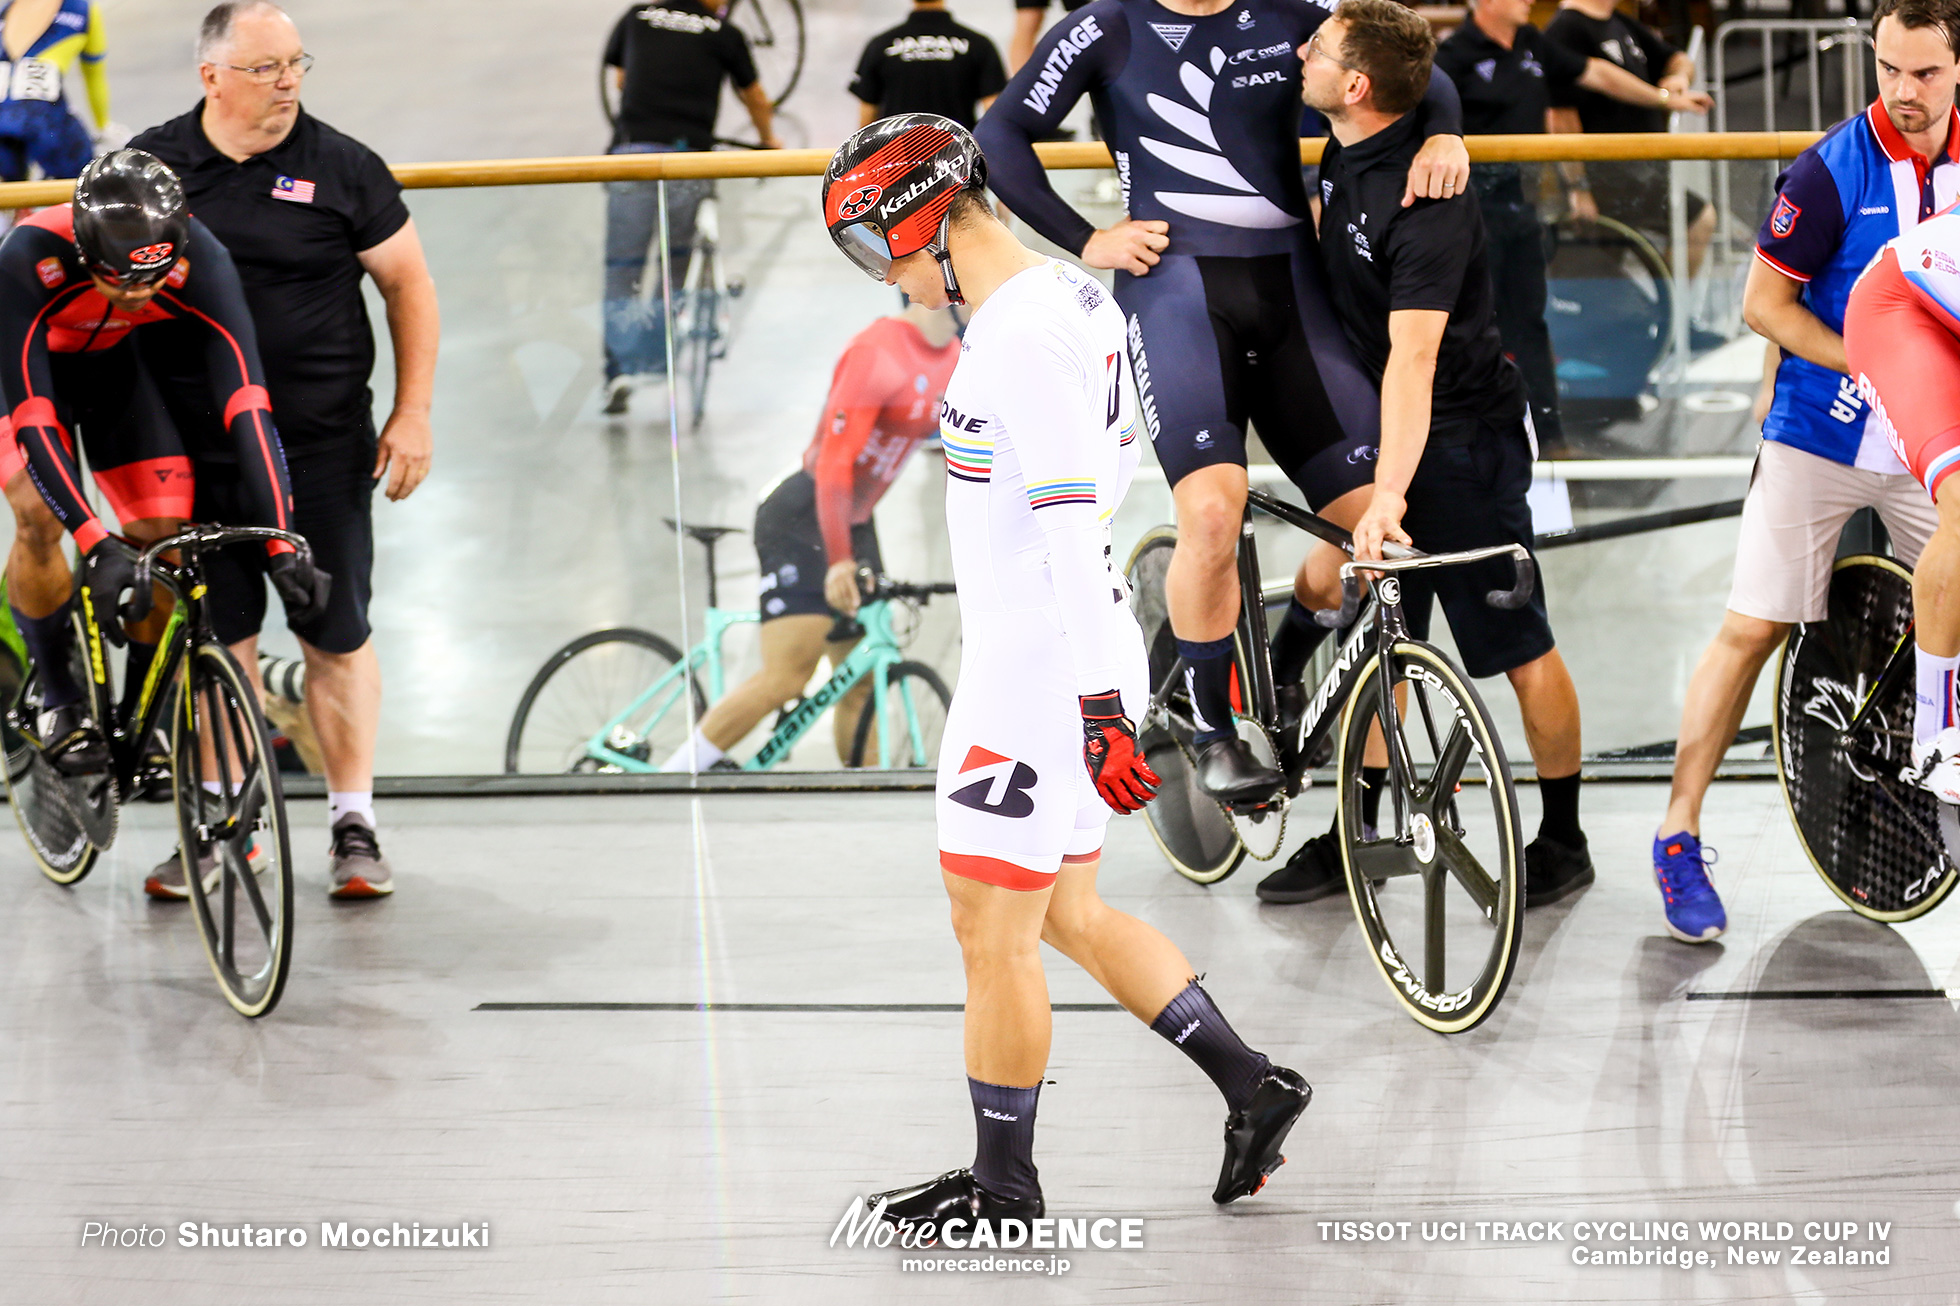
(166, 882)
(358, 869)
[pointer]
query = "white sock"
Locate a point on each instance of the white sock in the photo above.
(1935, 711)
(358, 801)
(702, 753)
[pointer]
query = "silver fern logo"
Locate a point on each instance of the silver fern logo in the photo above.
(1246, 208)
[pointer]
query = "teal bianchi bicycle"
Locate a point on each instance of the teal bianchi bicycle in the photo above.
(617, 700)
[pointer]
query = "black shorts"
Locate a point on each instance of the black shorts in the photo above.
(1469, 493)
(128, 434)
(789, 549)
(1218, 342)
(333, 509)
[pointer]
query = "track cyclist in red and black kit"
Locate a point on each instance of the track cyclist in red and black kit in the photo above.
(76, 281)
(1226, 312)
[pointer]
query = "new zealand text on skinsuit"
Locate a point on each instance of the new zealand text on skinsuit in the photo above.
(66, 356)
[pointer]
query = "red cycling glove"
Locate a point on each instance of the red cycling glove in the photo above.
(1109, 749)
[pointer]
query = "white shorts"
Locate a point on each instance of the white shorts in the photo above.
(1014, 800)
(1796, 506)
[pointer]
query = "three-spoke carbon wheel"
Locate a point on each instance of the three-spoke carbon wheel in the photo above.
(1438, 887)
(231, 812)
(1190, 828)
(588, 683)
(914, 692)
(63, 817)
(1885, 847)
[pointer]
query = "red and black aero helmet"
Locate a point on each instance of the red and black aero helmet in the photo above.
(890, 187)
(130, 219)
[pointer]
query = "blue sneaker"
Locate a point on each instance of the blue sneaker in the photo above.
(1694, 913)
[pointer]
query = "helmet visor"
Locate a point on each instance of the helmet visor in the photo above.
(865, 245)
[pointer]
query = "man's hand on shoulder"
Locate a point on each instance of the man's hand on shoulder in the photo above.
(1440, 169)
(1129, 246)
(408, 445)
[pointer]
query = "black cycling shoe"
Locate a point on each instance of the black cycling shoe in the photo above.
(70, 741)
(1313, 872)
(1253, 1136)
(1553, 871)
(955, 1195)
(1228, 772)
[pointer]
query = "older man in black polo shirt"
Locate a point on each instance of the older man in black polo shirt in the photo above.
(1506, 73)
(1411, 286)
(306, 212)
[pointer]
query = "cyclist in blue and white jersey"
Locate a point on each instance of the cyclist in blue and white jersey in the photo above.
(43, 40)
(1039, 427)
(1228, 320)
(1870, 179)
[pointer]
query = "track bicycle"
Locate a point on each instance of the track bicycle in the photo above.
(215, 769)
(617, 700)
(703, 309)
(1438, 889)
(1843, 732)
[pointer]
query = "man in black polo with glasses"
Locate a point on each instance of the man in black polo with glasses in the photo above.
(306, 213)
(1411, 287)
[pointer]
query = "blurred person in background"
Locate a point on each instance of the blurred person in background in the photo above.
(928, 64)
(1506, 72)
(306, 213)
(44, 39)
(668, 61)
(1871, 179)
(1633, 191)
(813, 529)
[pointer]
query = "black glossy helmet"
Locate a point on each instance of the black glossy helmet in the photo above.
(890, 188)
(130, 219)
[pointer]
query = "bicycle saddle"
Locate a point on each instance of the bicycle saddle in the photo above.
(702, 534)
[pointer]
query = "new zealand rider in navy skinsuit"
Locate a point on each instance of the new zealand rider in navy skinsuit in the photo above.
(1228, 319)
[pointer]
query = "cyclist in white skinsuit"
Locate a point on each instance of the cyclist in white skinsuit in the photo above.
(1039, 431)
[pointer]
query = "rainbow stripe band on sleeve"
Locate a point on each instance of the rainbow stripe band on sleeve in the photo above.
(1047, 494)
(965, 460)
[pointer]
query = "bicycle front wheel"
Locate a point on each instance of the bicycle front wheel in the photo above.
(914, 712)
(579, 702)
(1439, 888)
(231, 810)
(1884, 847)
(1189, 827)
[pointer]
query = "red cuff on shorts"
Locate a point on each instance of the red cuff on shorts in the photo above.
(992, 870)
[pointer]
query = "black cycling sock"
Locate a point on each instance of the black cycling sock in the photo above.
(1376, 778)
(134, 671)
(1208, 679)
(1201, 1032)
(1003, 1118)
(1295, 642)
(1560, 821)
(47, 639)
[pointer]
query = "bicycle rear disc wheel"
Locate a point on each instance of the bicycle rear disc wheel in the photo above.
(913, 692)
(1886, 848)
(245, 917)
(1439, 891)
(586, 684)
(1189, 827)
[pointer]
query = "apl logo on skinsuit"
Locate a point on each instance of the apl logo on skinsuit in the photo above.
(1000, 784)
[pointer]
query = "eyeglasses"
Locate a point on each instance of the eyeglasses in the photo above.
(266, 73)
(1314, 47)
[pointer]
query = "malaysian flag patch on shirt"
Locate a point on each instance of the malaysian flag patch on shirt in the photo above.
(292, 188)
